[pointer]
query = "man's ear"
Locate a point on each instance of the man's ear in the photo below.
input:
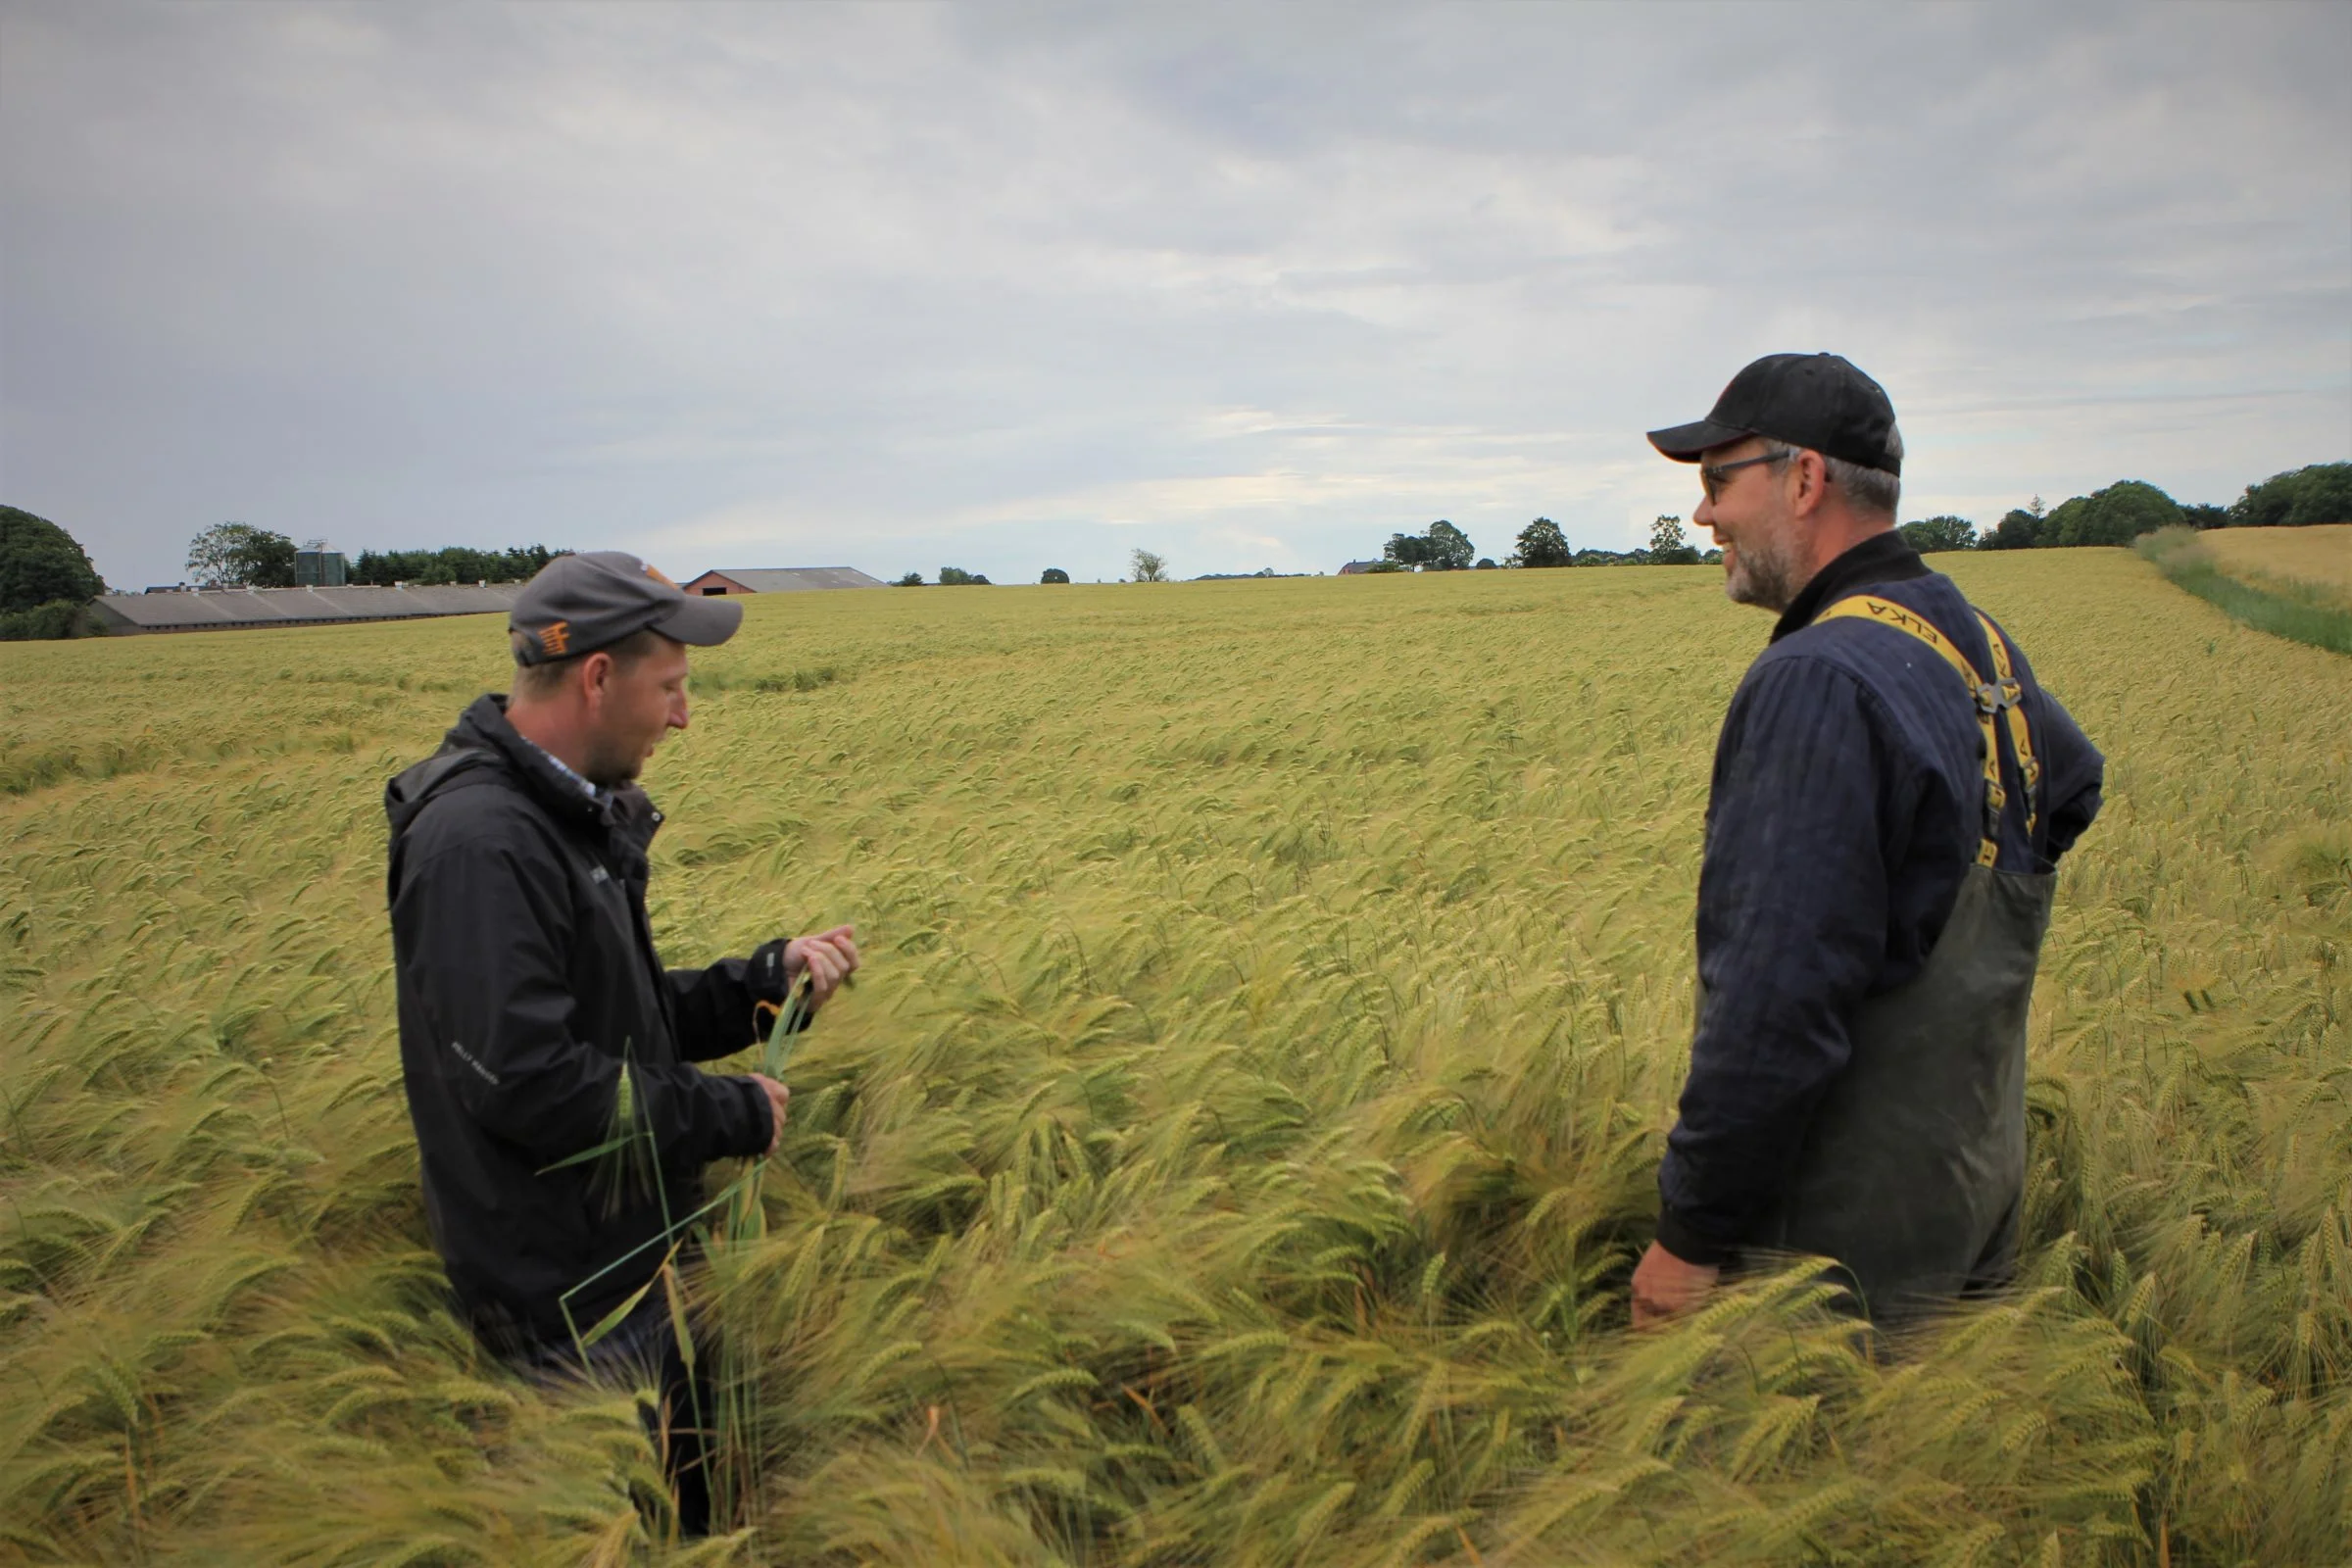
(596, 677)
(1810, 478)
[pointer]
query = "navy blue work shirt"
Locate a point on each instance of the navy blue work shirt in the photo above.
(1847, 806)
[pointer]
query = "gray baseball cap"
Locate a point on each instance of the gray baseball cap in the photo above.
(578, 603)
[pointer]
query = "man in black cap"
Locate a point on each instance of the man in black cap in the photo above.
(538, 1024)
(1891, 792)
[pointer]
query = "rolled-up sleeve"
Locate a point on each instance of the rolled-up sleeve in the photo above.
(1793, 916)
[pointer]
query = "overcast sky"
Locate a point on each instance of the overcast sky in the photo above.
(1005, 288)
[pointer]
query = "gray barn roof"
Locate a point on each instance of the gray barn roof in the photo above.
(223, 609)
(786, 579)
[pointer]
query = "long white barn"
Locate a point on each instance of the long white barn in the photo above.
(235, 608)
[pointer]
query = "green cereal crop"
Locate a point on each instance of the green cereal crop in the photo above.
(1236, 1146)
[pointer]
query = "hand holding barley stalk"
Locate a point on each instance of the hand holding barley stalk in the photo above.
(828, 959)
(821, 965)
(815, 967)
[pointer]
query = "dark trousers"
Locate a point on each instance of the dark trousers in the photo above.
(642, 1350)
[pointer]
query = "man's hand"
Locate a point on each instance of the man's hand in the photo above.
(828, 959)
(1665, 1287)
(778, 1098)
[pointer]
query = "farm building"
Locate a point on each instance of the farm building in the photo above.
(316, 566)
(233, 608)
(1356, 569)
(778, 579)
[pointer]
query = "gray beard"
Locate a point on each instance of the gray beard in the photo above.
(1769, 581)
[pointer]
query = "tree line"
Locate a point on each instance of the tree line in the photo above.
(2297, 498)
(452, 564)
(47, 580)
(949, 577)
(1445, 548)
(1148, 566)
(2319, 493)
(238, 555)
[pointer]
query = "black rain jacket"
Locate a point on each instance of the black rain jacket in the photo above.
(526, 973)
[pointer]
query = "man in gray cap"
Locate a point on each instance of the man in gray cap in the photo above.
(536, 1019)
(1891, 792)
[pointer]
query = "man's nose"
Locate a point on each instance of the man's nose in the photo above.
(678, 713)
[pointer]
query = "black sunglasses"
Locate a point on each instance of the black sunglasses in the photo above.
(1710, 478)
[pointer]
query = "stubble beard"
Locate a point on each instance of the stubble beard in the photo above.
(1763, 572)
(611, 766)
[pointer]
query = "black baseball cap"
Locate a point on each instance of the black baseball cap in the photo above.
(578, 603)
(1816, 401)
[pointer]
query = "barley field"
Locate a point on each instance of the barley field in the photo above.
(2315, 557)
(1237, 1144)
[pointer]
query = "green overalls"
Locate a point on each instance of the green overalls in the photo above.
(1914, 1164)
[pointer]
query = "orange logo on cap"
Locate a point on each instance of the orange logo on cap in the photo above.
(655, 574)
(555, 640)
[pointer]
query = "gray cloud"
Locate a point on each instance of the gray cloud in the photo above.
(897, 286)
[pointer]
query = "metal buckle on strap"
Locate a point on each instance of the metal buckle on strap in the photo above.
(1993, 697)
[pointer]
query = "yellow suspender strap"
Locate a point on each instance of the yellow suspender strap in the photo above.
(2028, 766)
(1990, 697)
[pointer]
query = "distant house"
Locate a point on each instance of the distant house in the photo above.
(778, 579)
(1356, 569)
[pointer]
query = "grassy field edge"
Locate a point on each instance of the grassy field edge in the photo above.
(2186, 564)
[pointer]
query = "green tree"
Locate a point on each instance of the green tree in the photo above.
(958, 577)
(236, 554)
(2296, 497)
(1055, 574)
(2020, 528)
(53, 621)
(2267, 503)
(1405, 551)
(2204, 515)
(1943, 532)
(40, 564)
(913, 580)
(1541, 544)
(1444, 548)
(1450, 549)
(1667, 547)
(1148, 568)
(2323, 495)
(2115, 516)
